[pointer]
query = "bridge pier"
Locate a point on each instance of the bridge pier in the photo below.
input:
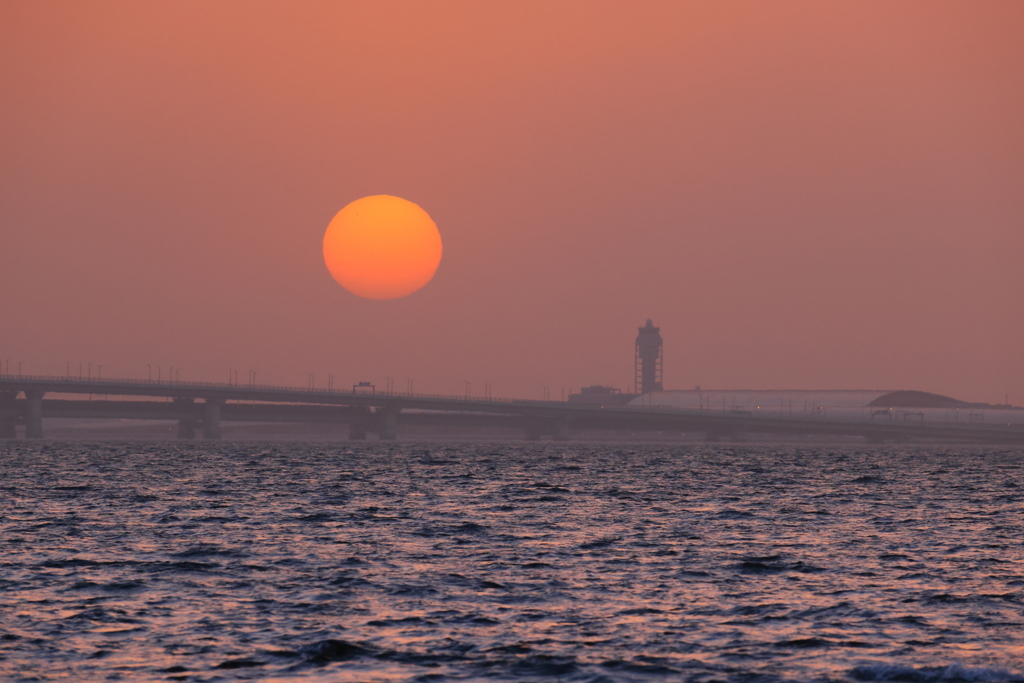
(186, 425)
(8, 414)
(34, 414)
(187, 428)
(561, 430)
(388, 424)
(359, 426)
(719, 435)
(532, 430)
(211, 418)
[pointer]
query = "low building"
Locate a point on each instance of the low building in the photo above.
(601, 396)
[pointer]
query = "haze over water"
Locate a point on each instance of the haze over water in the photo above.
(580, 562)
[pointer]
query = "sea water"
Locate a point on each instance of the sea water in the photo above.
(517, 562)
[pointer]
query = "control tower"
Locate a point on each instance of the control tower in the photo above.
(648, 359)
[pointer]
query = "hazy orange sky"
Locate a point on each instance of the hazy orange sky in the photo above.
(801, 194)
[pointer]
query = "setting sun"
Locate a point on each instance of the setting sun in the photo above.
(382, 247)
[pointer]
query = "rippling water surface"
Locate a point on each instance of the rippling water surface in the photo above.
(510, 562)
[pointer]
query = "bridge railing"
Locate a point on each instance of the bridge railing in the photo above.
(156, 384)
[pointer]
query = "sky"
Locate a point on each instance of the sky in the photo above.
(801, 195)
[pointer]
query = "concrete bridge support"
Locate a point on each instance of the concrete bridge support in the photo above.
(719, 435)
(359, 426)
(34, 414)
(211, 418)
(561, 430)
(388, 424)
(532, 430)
(187, 428)
(8, 414)
(186, 425)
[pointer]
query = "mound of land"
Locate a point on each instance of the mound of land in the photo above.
(922, 399)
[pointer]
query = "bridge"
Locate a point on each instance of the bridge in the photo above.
(201, 408)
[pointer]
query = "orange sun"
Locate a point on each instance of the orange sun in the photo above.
(382, 247)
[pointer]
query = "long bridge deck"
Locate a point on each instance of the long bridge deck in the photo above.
(202, 407)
